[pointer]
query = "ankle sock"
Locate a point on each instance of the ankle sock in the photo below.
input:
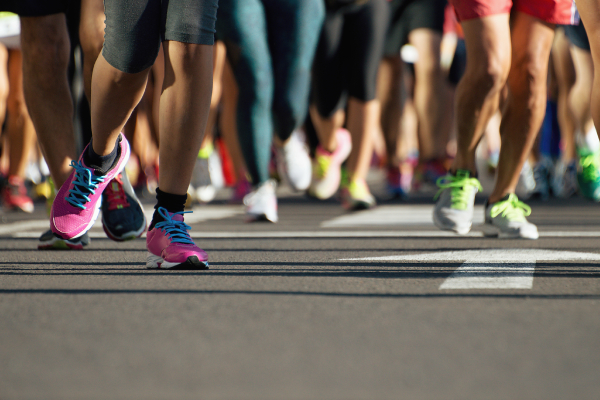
(101, 164)
(171, 202)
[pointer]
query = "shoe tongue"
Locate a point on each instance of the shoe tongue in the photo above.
(177, 217)
(462, 173)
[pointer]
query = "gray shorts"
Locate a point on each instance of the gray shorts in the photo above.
(135, 29)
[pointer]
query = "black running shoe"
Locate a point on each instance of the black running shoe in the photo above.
(122, 213)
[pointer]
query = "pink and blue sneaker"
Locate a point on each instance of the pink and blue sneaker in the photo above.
(170, 246)
(78, 201)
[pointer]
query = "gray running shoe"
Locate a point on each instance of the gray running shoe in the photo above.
(455, 200)
(49, 241)
(506, 219)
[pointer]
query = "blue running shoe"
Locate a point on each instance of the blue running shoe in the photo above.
(122, 213)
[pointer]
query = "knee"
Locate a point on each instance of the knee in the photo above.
(15, 105)
(91, 39)
(528, 77)
(47, 55)
(490, 74)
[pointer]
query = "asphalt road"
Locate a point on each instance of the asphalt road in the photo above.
(323, 305)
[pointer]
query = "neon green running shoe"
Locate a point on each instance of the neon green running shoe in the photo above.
(506, 219)
(588, 175)
(453, 209)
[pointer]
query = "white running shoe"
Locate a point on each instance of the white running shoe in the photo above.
(327, 169)
(564, 179)
(261, 203)
(293, 162)
(506, 219)
(453, 210)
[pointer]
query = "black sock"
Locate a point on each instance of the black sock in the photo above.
(101, 164)
(171, 202)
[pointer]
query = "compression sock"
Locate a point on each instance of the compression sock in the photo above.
(171, 202)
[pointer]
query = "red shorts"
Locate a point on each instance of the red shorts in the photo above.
(561, 12)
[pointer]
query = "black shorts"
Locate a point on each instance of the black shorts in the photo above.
(36, 8)
(577, 36)
(134, 29)
(408, 15)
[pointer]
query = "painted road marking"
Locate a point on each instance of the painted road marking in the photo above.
(17, 230)
(490, 268)
(401, 215)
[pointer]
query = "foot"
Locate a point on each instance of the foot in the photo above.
(541, 174)
(261, 204)
(588, 175)
(49, 241)
(293, 162)
(170, 246)
(506, 219)
(77, 203)
(122, 213)
(355, 195)
(453, 210)
(327, 166)
(14, 195)
(564, 179)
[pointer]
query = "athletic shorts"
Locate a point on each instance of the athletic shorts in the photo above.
(35, 8)
(577, 36)
(408, 15)
(562, 12)
(134, 29)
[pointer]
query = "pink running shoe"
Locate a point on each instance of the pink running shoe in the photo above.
(170, 246)
(77, 203)
(327, 167)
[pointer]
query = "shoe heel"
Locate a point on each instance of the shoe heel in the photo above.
(153, 261)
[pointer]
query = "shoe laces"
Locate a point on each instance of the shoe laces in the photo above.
(512, 209)
(589, 167)
(322, 163)
(177, 231)
(115, 194)
(461, 186)
(84, 184)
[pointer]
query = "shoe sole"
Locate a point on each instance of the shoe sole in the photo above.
(490, 231)
(192, 263)
(59, 244)
(463, 231)
(125, 237)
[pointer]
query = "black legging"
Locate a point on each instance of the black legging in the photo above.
(348, 55)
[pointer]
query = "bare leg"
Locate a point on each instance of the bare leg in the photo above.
(45, 46)
(531, 43)
(114, 96)
(429, 79)
(478, 93)
(389, 93)
(227, 121)
(184, 106)
(219, 54)
(362, 119)
(590, 15)
(91, 36)
(326, 127)
(565, 76)
(580, 95)
(19, 128)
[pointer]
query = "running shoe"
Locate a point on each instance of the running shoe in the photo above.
(293, 162)
(526, 182)
(49, 241)
(170, 246)
(240, 189)
(506, 219)
(428, 172)
(355, 194)
(588, 175)
(541, 175)
(327, 166)
(122, 213)
(453, 209)
(564, 179)
(261, 204)
(14, 195)
(77, 203)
